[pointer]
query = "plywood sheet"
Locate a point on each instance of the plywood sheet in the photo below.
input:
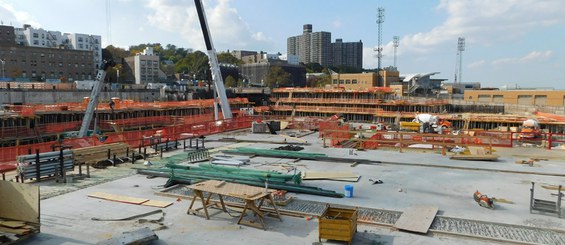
(19, 201)
(12, 224)
(417, 219)
(118, 198)
(230, 189)
(155, 203)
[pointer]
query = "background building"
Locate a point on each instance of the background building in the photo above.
(31, 37)
(42, 62)
(316, 47)
(257, 72)
(364, 80)
(519, 97)
(145, 67)
(311, 47)
(347, 54)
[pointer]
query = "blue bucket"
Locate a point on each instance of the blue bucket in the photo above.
(348, 191)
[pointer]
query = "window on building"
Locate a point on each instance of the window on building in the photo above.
(42, 35)
(24, 74)
(334, 81)
(80, 39)
(35, 35)
(80, 45)
(36, 42)
(354, 81)
(341, 82)
(347, 81)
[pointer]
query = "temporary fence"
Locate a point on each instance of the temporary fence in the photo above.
(133, 138)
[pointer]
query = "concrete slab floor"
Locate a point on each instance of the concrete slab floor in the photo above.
(66, 219)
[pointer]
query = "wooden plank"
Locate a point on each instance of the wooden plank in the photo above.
(155, 203)
(118, 198)
(19, 201)
(14, 231)
(12, 224)
(417, 219)
(475, 157)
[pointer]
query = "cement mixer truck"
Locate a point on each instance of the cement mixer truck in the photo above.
(530, 129)
(426, 123)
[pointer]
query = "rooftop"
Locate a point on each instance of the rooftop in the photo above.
(412, 178)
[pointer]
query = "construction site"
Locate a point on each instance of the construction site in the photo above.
(317, 165)
(329, 165)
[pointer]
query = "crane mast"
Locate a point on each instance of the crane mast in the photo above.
(94, 96)
(213, 59)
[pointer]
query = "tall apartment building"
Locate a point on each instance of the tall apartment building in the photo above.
(311, 47)
(347, 54)
(316, 47)
(31, 56)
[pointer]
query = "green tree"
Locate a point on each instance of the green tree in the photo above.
(277, 77)
(313, 67)
(114, 53)
(228, 58)
(230, 82)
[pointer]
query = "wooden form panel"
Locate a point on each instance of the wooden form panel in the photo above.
(19, 201)
(417, 219)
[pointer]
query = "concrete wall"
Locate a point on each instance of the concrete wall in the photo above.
(52, 96)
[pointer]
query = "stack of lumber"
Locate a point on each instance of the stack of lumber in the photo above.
(179, 174)
(475, 154)
(49, 164)
(12, 230)
(94, 154)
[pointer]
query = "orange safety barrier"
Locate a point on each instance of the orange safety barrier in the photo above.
(30, 110)
(133, 138)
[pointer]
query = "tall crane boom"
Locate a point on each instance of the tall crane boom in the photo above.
(94, 95)
(213, 59)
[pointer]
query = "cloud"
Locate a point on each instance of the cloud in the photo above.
(534, 56)
(337, 23)
(228, 29)
(484, 22)
(9, 13)
(476, 64)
